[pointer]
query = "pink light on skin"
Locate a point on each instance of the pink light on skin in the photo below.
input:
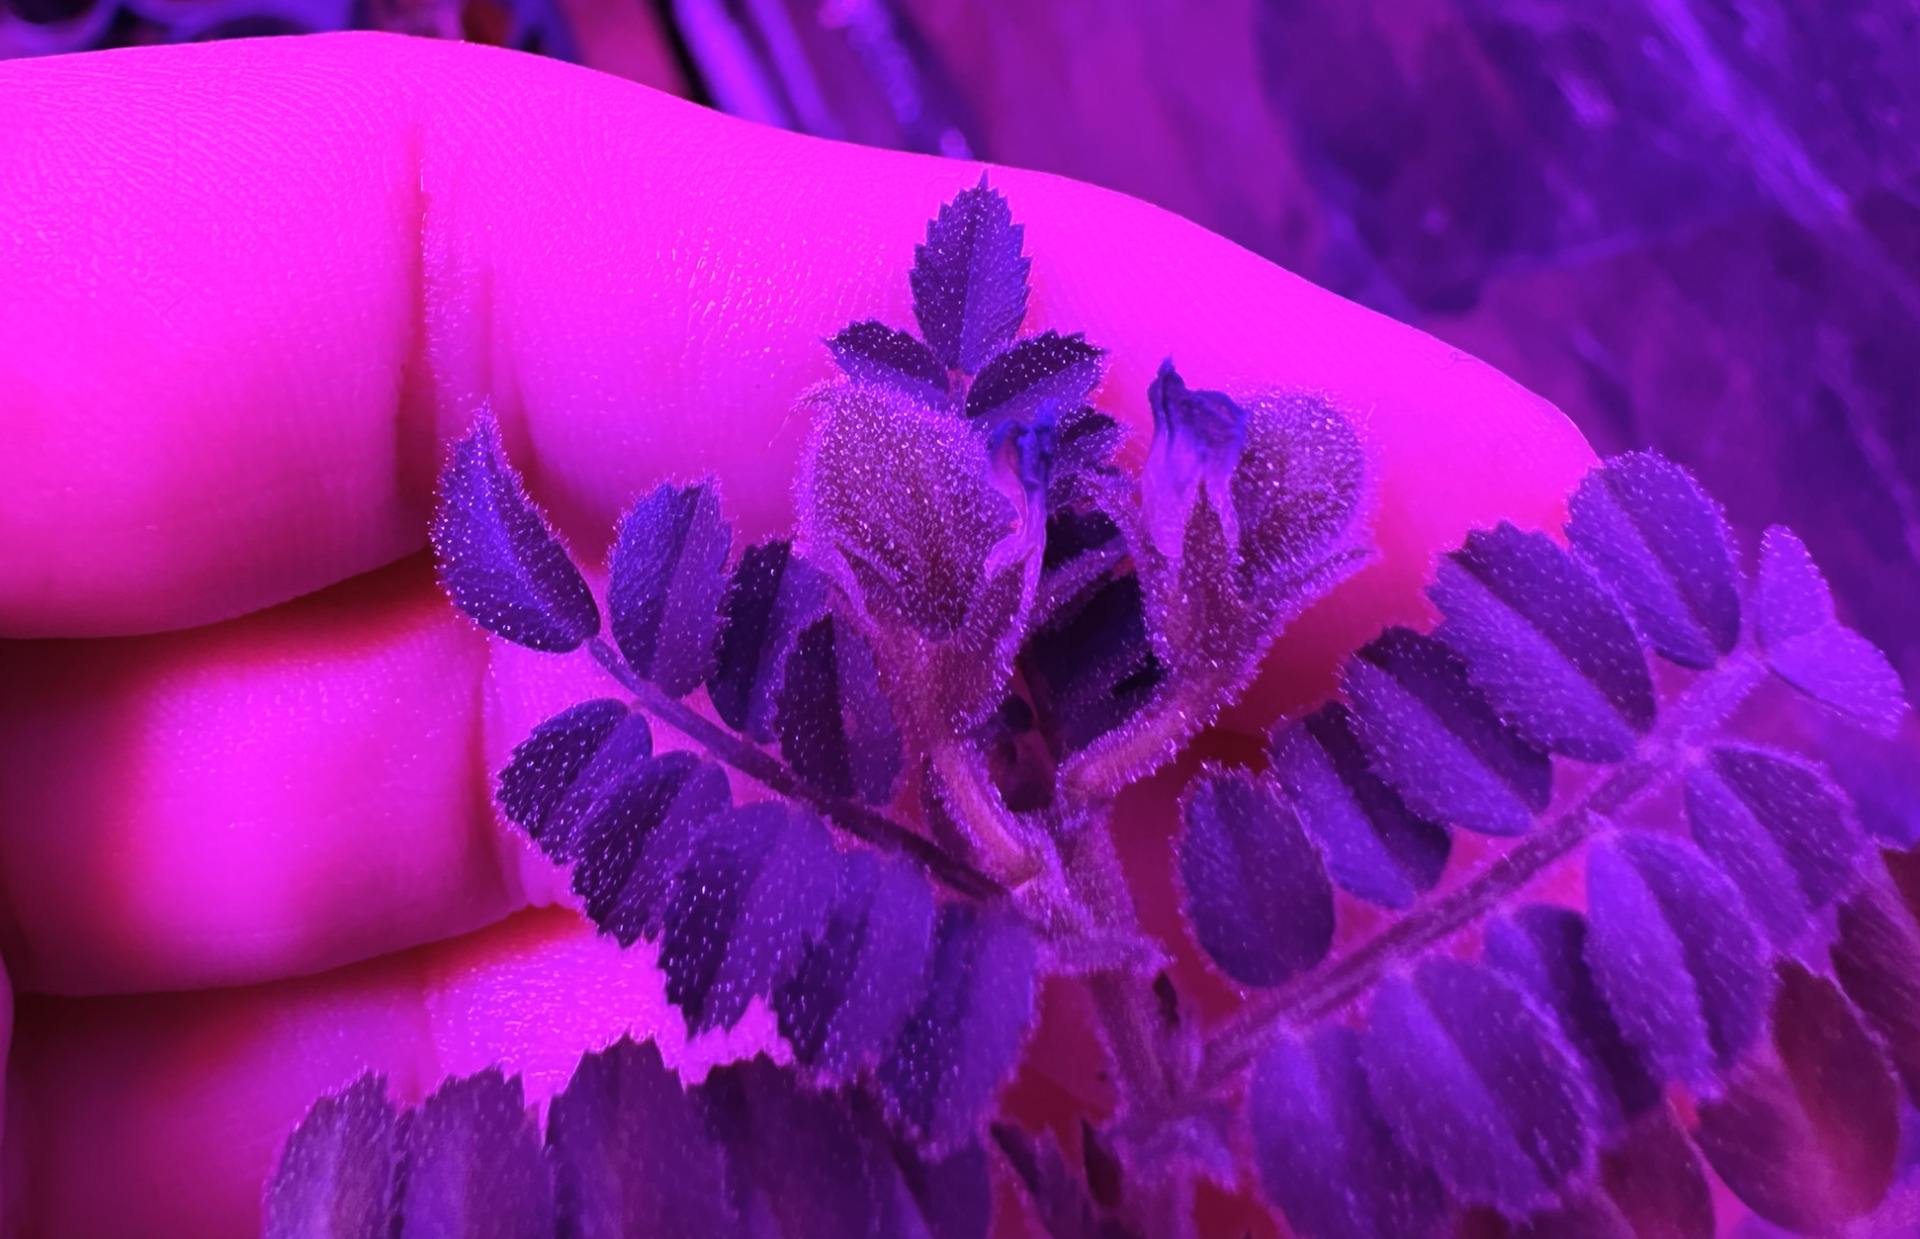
(252, 288)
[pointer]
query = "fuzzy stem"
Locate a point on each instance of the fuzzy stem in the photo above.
(1102, 771)
(978, 808)
(763, 768)
(1327, 989)
(1128, 1012)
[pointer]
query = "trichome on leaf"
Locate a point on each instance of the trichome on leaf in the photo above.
(910, 721)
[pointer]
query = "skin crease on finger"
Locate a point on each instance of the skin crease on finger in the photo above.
(252, 288)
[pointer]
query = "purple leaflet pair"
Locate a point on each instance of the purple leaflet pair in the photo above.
(982, 631)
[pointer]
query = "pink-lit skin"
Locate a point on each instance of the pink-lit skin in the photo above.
(247, 291)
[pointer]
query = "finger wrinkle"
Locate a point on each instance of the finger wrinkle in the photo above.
(277, 794)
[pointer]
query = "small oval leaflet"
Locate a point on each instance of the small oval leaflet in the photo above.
(771, 595)
(835, 725)
(629, 850)
(1061, 1201)
(666, 580)
(474, 1165)
(632, 1154)
(1478, 1086)
(1807, 1135)
(1325, 1154)
(1431, 735)
(1376, 848)
(754, 889)
(1876, 958)
(1808, 647)
(872, 352)
(965, 1035)
(1541, 948)
(499, 560)
(1651, 533)
(553, 776)
(1778, 828)
(859, 980)
(1256, 891)
(1545, 643)
(336, 1178)
(1040, 371)
(1673, 950)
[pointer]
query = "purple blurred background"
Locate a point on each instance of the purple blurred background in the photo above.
(1693, 224)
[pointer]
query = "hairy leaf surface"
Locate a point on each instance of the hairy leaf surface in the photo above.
(1807, 1135)
(1808, 647)
(1433, 737)
(1545, 643)
(555, 766)
(1783, 833)
(1876, 958)
(668, 574)
(1662, 545)
(1047, 370)
(860, 980)
(632, 1154)
(1060, 1200)
(632, 848)
(756, 886)
(1677, 956)
(895, 499)
(1542, 949)
(1256, 891)
(969, 279)
(1298, 491)
(1325, 1154)
(1376, 848)
(872, 352)
(1478, 1086)
(474, 1166)
(336, 1176)
(835, 724)
(499, 560)
(944, 1069)
(771, 595)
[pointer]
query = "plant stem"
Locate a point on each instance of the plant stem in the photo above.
(763, 768)
(1339, 982)
(1129, 1014)
(978, 807)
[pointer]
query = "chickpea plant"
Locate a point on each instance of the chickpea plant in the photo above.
(981, 631)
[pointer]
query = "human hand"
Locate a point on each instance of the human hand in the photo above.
(245, 744)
